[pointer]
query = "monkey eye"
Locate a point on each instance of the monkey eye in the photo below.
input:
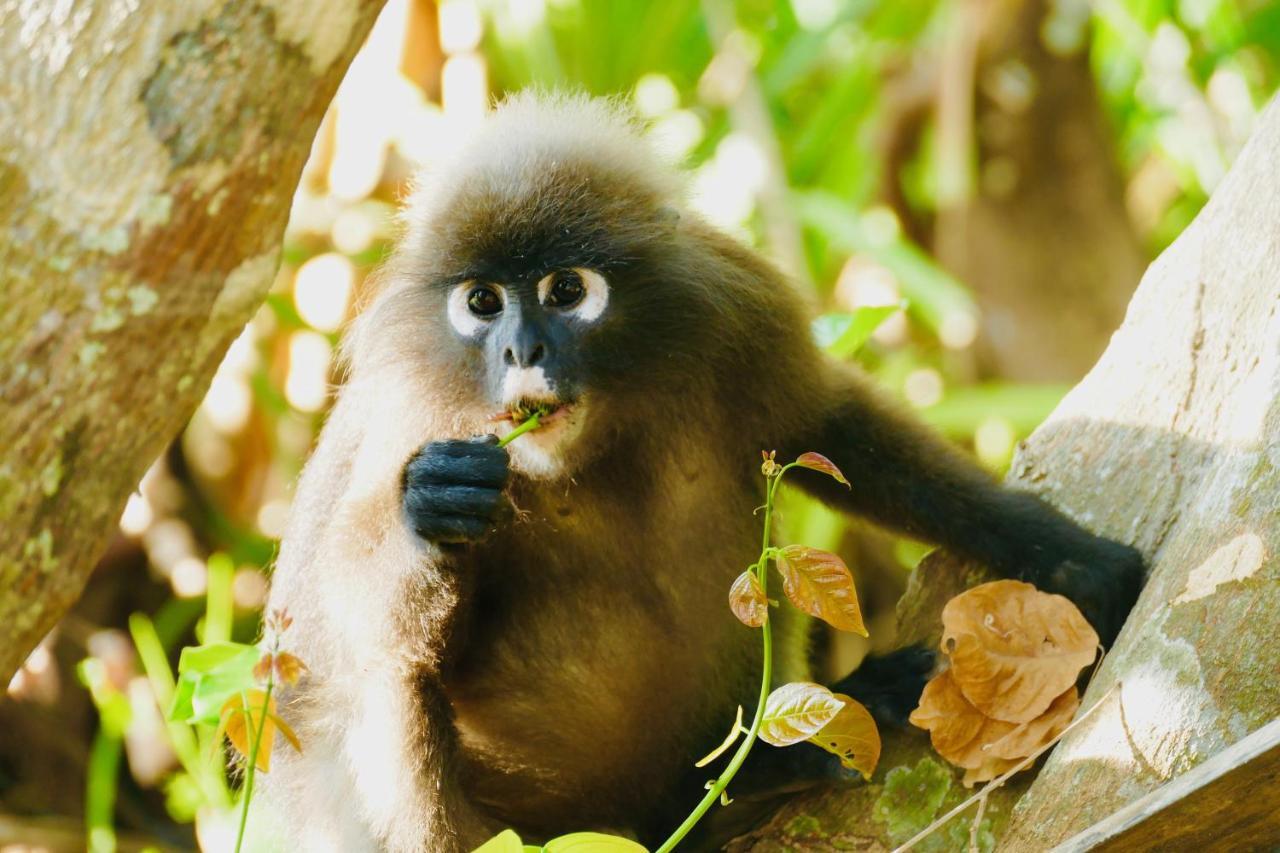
(484, 301)
(566, 289)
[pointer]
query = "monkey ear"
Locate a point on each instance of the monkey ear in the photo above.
(668, 216)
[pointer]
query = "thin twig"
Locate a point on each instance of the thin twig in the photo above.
(976, 826)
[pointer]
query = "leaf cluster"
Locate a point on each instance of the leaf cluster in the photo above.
(230, 685)
(820, 584)
(1015, 655)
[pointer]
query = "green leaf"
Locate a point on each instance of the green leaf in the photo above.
(208, 675)
(504, 842)
(843, 334)
(828, 328)
(592, 842)
(937, 298)
(211, 656)
(114, 710)
(182, 797)
(796, 712)
(963, 410)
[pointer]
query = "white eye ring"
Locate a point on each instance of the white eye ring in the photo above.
(463, 321)
(594, 299)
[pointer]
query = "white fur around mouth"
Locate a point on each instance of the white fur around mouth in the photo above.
(540, 453)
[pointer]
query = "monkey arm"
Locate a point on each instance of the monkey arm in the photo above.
(907, 478)
(373, 607)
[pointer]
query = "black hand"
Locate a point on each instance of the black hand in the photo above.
(890, 685)
(1102, 578)
(453, 489)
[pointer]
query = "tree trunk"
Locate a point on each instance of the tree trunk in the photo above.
(147, 163)
(1044, 237)
(1172, 442)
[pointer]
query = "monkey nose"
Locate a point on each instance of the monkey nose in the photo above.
(524, 355)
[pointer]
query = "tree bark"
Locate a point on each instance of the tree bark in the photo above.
(1172, 442)
(1043, 238)
(148, 157)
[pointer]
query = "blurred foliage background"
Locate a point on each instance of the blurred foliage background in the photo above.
(1003, 168)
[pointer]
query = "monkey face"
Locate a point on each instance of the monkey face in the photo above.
(560, 288)
(546, 267)
(530, 334)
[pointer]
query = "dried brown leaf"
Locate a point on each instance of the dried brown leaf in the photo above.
(961, 733)
(990, 769)
(1014, 649)
(957, 730)
(1026, 738)
(818, 462)
(819, 583)
(852, 736)
(747, 600)
(797, 711)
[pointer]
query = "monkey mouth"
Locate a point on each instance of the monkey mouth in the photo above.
(548, 411)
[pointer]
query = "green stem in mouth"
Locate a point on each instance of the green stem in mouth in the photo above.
(530, 423)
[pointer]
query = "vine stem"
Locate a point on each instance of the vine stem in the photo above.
(766, 677)
(530, 423)
(254, 747)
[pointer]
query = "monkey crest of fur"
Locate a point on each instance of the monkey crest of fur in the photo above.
(528, 132)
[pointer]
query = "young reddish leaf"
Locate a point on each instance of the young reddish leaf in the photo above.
(262, 668)
(1014, 649)
(289, 668)
(279, 620)
(819, 583)
(852, 736)
(240, 730)
(747, 601)
(796, 712)
(818, 462)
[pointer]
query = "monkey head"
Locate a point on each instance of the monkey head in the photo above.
(541, 269)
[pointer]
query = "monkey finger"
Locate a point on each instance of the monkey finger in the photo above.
(432, 498)
(451, 528)
(460, 462)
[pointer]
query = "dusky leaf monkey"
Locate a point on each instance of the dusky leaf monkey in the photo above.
(538, 636)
